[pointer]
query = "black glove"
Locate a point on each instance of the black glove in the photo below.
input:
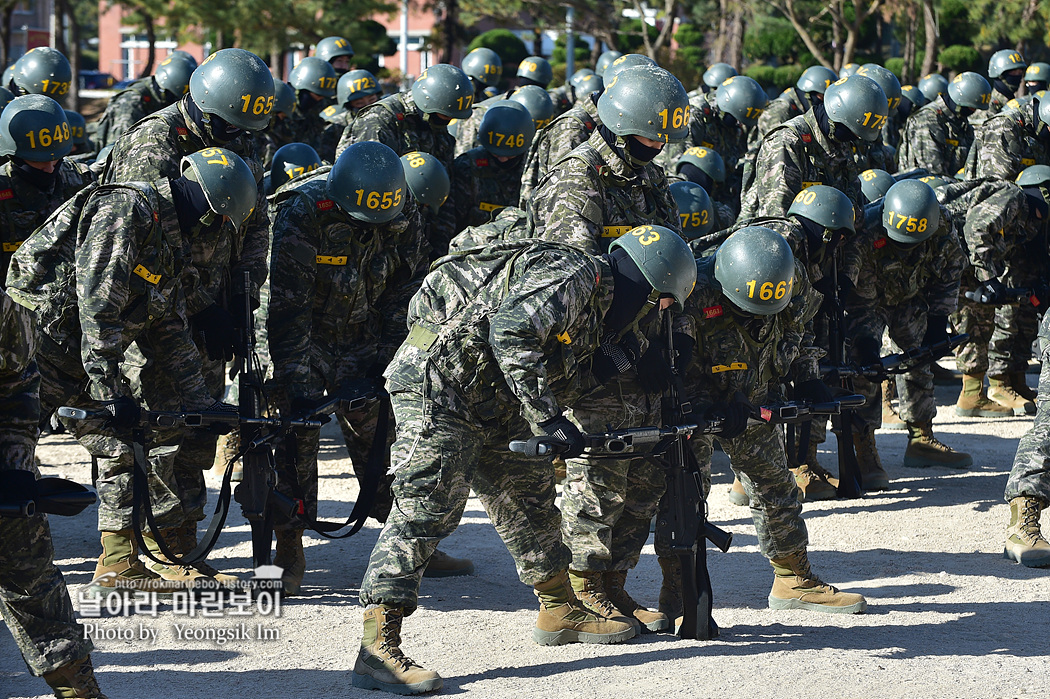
(240, 306)
(306, 407)
(736, 414)
(612, 359)
(654, 373)
(683, 345)
(936, 332)
(125, 411)
(220, 407)
(561, 429)
(813, 391)
(216, 327)
(868, 350)
(991, 291)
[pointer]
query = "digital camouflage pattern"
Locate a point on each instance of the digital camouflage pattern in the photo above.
(483, 186)
(139, 99)
(996, 105)
(337, 121)
(936, 139)
(499, 334)
(1007, 143)
(511, 223)
(873, 155)
(309, 126)
(1030, 475)
(561, 136)
(777, 112)
(562, 100)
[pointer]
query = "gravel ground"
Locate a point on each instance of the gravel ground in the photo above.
(947, 616)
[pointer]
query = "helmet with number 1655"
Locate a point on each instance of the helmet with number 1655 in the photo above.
(368, 182)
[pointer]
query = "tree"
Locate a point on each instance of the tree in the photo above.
(846, 20)
(504, 42)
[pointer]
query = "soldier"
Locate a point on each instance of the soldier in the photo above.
(715, 75)
(706, 168)
(34, 601)
(605, 60)
(314, 82)
(874, 184)
(531, 97)
(141, 98)
(847, 70)
(1006, 69)
(905, 280)
(482, 363)
(35, 178)
(939, 136)
(933, 85)
(289, 162)
(336, 51)
(488, 178)
(1010, 141)
(91, 304)
(539, 104)
(333, 241)
(277, 132)
(484, 68)
(724, 317)
(231, 95)
(428, 181)
(535, 70)
(41, 71)
(696, 213)
(1036, 77)
(82, 145)
(815, 148)
(874, 154)
(355, 90)
(808, 90)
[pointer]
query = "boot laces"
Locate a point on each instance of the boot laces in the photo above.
(599, 598)
(931, 440)
(1029, 524)
(390, 642)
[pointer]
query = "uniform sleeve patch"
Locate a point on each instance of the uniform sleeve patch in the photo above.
(6, 194)
(181, 131)
(482, 162)
(806, 138)
(325, 204)
(880, 243)
(713, 312)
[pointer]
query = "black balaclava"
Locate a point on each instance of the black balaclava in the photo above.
(1037, 205)
(308, 101)
(633, 151)
(211, 124)
(509, 164)
(696, 176)
(44, 181)
(840, 132)
(820, 240)
(729, 120)
(1008, 84)
(522, 82)
(630, 291)
(190, 203)
(964, 112)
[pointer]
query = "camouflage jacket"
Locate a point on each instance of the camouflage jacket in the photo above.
(138, 100)
(792, 157)
(552, 143)
(707, 129)
(996, 105)
(936, 139)
(23, 206)
(334, 280)
(736, 351)
(483, 186)
(153, 149)
(593, 196)
(776, 113)
(510, 223)
(561, 99)
(18, 342)
(997, 227)
(337, 121)
(104, 271)
(1007, 143)
(505, 330)
(269, 140)
(308, 127)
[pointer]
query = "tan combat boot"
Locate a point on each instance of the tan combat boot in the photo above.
(671, 604)
(737, 494)
(75, 680)
(120, 567)
(649, 620)
(872, 475)
(812, 480)
(925, 450)
(1024, 540)
(381, 664)
(1000, 390)
(1019, 382)
(974, 402)
(442, 565)
(563, 619)
(291, 557)
(173, 539)
(796, 587)
(589, 588)
(890, 419)
(188, 537)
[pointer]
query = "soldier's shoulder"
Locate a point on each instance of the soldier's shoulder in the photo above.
(389, 108)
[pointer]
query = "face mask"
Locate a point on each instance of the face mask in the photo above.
(843, 134)
(1037, 206)
(509, 164)
(211, 124)
(696, 176)
(308, 100)
(1012, 82)
(633, 296)
(191, 205)
(729, 121)
(639, 152)
(437, 122)
(44, 181)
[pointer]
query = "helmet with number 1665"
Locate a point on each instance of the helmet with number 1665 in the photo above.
(646, 101)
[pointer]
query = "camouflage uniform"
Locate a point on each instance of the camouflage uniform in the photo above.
(776, 113)
(351, 275)
(139, 99)
(309, 126)
(506, 225)
(896, 289)
(792, 157)
(153, 149)
(552, 143)
(337, 122)
(269, 140)
(562, 100)
(483, 186)
(500, 339)
(1007, 143)
(104, 273)
(996, 105)
(33, 597)
(936, 139)
(24, 206)
(1030, 475)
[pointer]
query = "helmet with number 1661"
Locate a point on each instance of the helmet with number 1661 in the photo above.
(756, 269)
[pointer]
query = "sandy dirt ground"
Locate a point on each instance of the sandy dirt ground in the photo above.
(947, 616)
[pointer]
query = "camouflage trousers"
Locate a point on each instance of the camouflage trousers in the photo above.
(20, 408)
(758, 459)
(1016, 324)
(437, 458)
(978, 321)
(1030, 474)
(607, 505)
(63, 382)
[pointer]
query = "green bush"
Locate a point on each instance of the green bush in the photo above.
(504, 42)
(786, 76)
(765, 75)
(960, 58)
(629, 38)
(895, 66)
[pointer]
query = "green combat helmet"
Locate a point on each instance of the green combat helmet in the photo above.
(858, 103)
(292, 160)
(716, 74)
(1004, 61)
(628, 60)
(43, 71)
(356, 84)
(284, 98)
(889, 83)
(236, 86)
(535, 70)
(756, 269)
(933, 85)
(427, 179)
(848, 69)
(874, 183)
(914, 97)
(535, 99)
(5, 97)
(579, 75)
(1037, 76)
(970, 90)
(34, 128)
(314, 75)
(936, 181)
(742, 97)
(483, 65)
(1034, 176)
(604, 60)
(663, 258)
(709, 162)
(507, 129)
(826, 206)
(227, 181)
(910, 212)
(332, 47)
(173, 76)
(815, 79)
(184, 55)
(588, 84)
(368, 182)
(77, 128)
(646, 101)
(694, 209)
(444, 89)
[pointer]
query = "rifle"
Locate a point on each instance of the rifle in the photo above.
(899, 363)
(1020, 295)
(22, 494)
